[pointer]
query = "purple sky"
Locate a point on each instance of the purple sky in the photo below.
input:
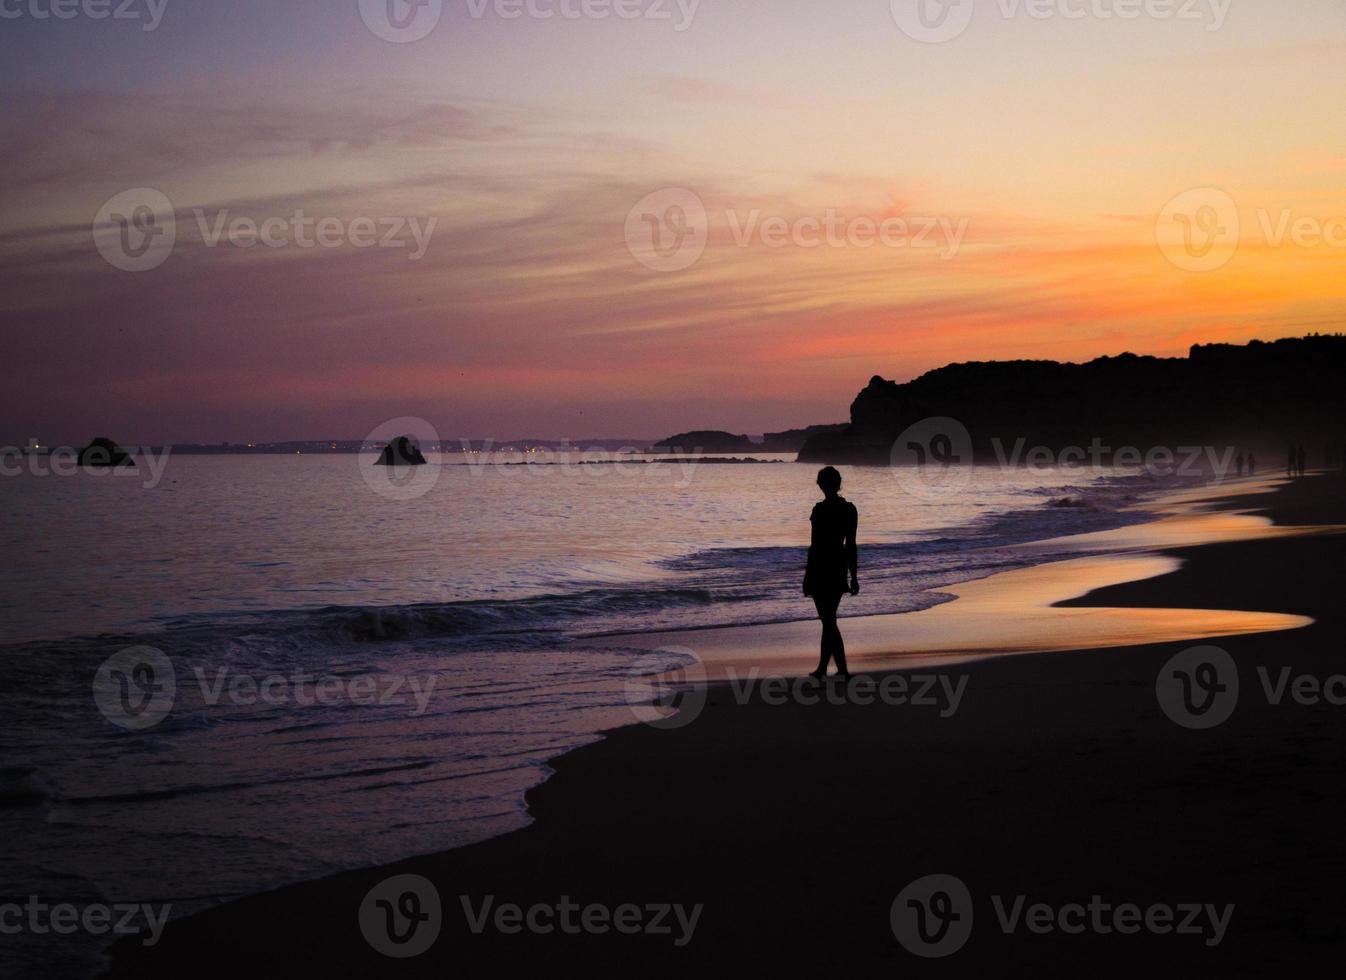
(479, 269)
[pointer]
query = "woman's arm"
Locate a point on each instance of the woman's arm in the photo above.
(808, 562)
(852, 549)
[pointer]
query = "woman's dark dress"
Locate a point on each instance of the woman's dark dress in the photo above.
(832, 552)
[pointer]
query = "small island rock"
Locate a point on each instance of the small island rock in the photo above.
(401, 452)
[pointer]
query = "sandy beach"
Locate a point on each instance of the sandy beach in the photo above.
(782, 832)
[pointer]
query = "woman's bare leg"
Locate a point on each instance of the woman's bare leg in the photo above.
(832, 646)
(839, 648)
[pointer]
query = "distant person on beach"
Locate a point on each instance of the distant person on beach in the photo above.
(1301, 458)
(832, 555)
(1252, 465)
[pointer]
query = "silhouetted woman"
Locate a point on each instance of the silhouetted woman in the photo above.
(832, 555)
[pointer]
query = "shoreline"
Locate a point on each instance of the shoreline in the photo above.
(1026, 605)
(1019, 612)
(646, 814)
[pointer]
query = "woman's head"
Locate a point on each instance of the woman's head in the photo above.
(829, 480)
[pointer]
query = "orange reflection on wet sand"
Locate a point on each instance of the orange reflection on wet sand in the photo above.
(1005, 614)
(1188, 518)
(1014, 612)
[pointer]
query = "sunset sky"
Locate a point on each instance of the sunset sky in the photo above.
(1055, 143)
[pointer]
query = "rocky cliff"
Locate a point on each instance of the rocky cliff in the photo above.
(1262, 395)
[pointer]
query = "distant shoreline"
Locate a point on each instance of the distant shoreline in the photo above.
(338, 447)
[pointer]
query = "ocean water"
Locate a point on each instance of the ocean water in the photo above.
(367, 665)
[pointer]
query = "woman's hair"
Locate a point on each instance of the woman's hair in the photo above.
(829, 480)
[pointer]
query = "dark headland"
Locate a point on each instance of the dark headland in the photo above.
(1262, 396)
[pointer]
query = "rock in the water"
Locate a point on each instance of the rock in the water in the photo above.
(1062, 502)
(401, 452)
(103, 453)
